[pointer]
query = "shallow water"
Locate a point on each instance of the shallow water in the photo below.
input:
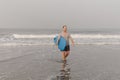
(87, 62)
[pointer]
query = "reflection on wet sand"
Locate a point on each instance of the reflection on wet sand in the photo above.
(64, 72)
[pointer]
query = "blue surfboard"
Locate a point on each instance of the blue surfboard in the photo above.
(61, 42)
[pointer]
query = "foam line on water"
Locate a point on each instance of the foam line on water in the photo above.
(52, 44)
(33, 36)
(92, 36)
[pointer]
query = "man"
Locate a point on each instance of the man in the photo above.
(68, 37)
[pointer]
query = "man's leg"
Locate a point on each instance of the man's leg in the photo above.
(67, 53)
(63, 55)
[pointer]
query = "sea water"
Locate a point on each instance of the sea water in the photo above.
(18, 37)
(30, 54)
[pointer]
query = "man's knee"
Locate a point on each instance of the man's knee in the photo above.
(68, 52)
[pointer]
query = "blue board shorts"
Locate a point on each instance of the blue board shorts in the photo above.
(67, 48)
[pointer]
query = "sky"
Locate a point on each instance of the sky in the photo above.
(55, 13)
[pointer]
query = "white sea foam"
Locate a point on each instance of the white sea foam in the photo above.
(24, 44)
(92, 36)
(97, 36)
(52, 44)
(32, 36)
(47, 39)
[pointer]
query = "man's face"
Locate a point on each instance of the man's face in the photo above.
(65, 29)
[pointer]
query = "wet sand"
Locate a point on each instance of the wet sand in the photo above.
(87, 62)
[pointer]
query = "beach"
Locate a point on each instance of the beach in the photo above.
(31, 31)
(87, 62)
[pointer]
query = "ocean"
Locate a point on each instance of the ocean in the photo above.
(18, 37)
(30, 54)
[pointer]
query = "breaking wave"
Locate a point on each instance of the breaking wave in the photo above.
(97, 36)
(47, 39)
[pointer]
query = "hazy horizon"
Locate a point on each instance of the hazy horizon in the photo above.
(38, 14)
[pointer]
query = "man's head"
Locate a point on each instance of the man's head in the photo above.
(65, 28)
